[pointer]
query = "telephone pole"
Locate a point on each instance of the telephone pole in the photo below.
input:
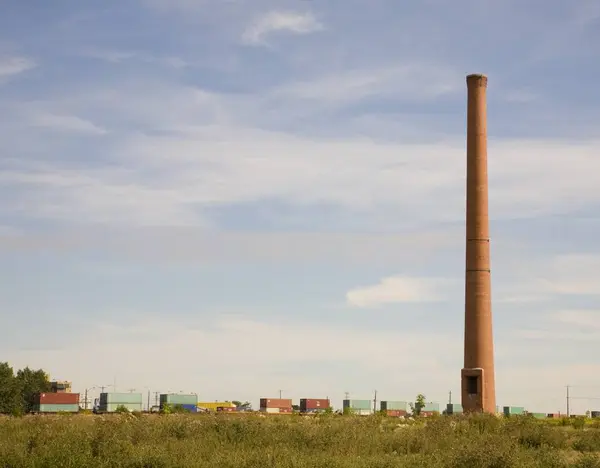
(375, 402)
(568, 402)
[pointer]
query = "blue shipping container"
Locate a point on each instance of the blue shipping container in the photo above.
(192, 408)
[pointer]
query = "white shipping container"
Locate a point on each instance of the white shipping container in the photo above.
(362, 412)
(270, 410)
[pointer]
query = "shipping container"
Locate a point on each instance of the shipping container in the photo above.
(429, 413)
(112, 407)
(431, 407)
(314, 410)
(555, 415)
(178, 399)
(56, 408)
(190, 408)
(595, 414)
(275, 403)
(270, 410)
(213, 405)
(226, 409)
(538, 415)
(362, 412)
(454, 408)
(513, 410)
(358, 404)
(57, 398)
(285, 410)
(314, 403)
(396, 413)
(394, 405)
(109, 398)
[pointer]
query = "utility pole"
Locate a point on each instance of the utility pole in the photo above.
(148, 401)
(375, 402)
(568, 401)
(450, 397)
(280, 394)
(86, 400)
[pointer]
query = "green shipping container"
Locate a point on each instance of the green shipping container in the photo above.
(112, 407)
(454, 408)
(429, 407)
(108, 398)
(56, 408)
(395, 405)
(178, 399)
(515, 410)
(358, 404)
(539, 415)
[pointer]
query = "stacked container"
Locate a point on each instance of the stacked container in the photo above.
(360, 407)
(314, 405)
(226, 409)
(275, 405)
(430, 409)
(215, 405)
(513, 410)
(56, 403)
(188, 402)
(395, 408)
(109, 402)
(454, 408)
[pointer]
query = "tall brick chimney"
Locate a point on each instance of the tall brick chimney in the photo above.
(478, 387)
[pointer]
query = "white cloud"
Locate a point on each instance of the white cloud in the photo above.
(397, 289)
(414, 81)
(10, 66)
(279, 21)
(67, 123)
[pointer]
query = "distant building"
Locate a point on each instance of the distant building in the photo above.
(60, 386)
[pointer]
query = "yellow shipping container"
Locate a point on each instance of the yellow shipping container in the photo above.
(213, 405)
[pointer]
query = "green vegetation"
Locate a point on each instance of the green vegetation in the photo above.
(17, 390)
(248, 441)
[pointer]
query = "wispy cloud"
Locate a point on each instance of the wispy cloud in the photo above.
(66, 123)
(121, 56)
(397, 289)
(280, 21)
(10, 66)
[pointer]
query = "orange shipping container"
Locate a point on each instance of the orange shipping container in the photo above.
(275, 403)
(396, 413)
(57, 399)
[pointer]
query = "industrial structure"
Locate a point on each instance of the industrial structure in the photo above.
(478, 388)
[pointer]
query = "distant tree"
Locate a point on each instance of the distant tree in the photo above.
(246, 406)
(30, 383)
(10, 397)
(295, 407)
(419, 404)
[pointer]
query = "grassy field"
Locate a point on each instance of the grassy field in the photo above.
(226, 441)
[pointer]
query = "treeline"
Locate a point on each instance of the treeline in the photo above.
(18, 390)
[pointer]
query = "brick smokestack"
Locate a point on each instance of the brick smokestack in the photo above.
(478, 387)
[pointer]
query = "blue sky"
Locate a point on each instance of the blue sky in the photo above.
(245, 196)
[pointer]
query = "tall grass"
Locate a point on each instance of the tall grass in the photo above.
(250, 441)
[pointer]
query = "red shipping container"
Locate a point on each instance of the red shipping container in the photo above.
(314, 403)
(57, 398)
(226, 409)
(285, 410)
(275, 403)
(396, 413)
